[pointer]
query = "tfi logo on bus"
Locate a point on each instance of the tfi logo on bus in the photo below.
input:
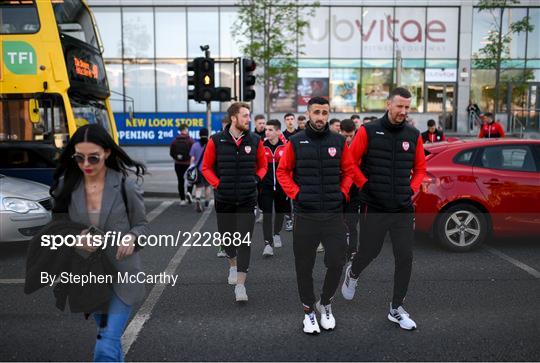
(19, 57)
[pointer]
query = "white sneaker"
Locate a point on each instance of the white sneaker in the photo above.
(289, 225)
(349, 284)
(221, 253)
(189, 197)
(240, 293)
(327, 318)
(401, 317)
(183, 203)
(277, 241)
(311, 326)
(268, 251)
(320, 248)
(232, 276)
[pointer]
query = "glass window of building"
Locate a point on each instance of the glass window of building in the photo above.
(442, 32)
(344, 90)
(409, 25)
(345, 40)
(171, 83)
(482, 26)
(138, 32)
(533, 44)
(312, 82)
(413, 80)
(203, 29)
(482, 88)
(376, 42)
(518, 43)
(229, 46)
(376, 84)
(171, 36)
(115, 78)
(109, 25)
(139, 82)
(317, 35)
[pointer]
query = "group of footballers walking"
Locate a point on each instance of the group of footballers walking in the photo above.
(362, 176)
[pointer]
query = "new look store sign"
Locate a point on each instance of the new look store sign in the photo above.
(160, 128)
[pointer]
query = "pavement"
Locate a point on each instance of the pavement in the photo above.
(475, 306)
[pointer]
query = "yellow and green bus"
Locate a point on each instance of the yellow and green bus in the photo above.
(52, 80)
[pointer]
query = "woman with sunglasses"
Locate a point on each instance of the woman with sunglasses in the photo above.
(92, 186)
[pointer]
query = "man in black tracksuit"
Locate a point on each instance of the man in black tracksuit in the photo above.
(387, 151)
(313, 172)
(271, 194)
(234, 164)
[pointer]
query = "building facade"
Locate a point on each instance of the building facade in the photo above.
(354, 52)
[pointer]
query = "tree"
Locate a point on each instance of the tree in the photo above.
(497, 48)
(270, 32)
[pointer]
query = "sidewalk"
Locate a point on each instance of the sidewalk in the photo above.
(161, 180)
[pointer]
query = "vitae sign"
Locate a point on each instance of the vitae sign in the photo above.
(417, 32)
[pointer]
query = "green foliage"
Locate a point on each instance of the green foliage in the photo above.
(270, 32)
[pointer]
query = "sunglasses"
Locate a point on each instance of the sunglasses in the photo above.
(92, 159)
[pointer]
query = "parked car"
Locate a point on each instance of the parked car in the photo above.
(477, 188)
(25, 207)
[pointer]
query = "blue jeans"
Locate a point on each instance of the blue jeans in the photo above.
(108, 343)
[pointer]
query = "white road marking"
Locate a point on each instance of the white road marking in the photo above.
(11, 281)
(145, 311)
(514, 262)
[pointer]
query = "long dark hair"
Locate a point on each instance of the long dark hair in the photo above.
(67, 167)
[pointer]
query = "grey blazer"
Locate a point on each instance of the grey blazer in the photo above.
(113, 217)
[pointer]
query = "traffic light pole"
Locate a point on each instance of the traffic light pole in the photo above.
(209, 117)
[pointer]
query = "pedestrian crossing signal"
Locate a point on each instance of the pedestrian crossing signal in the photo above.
(201, 79)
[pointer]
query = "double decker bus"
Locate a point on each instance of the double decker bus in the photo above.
(52, 81)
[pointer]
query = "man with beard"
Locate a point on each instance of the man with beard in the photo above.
(314, 172)
(234, 163)
(390, 166)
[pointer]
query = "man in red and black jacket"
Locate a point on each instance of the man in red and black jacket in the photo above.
(271, 194)
(432, 134)
(313, 172)
(234, 163)
(385, 153)
(490, 129)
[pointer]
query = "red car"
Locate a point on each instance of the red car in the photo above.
(479, 187)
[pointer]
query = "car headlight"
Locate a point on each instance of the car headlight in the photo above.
(19, 205)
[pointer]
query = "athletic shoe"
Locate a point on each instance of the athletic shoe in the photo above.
(401, 317)
(206, 203)
(320, 248)
(221, 253)
(311, 326)
(189, 197)
(277, 241)
(183, 203)
(349, 284)
(198, 208)
(240, 293)
(268, 250)
(289, 225)
(232, 276)
(327, 318)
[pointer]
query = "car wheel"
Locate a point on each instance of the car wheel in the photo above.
(461, 227)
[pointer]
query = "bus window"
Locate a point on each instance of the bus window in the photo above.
(90, 112)
(18, 17)
(15, 122)
(75, 21)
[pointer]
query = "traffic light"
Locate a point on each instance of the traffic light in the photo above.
(247, 79)
(201, 82)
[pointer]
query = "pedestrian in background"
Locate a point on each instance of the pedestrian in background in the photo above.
(490, 128)
(179, 151)
(432, 134)
(260, 129)
(202, 187)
